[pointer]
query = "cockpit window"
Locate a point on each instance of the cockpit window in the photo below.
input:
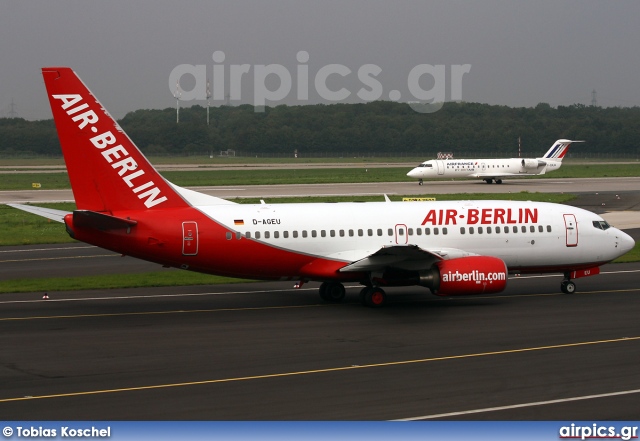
(424, 164)
(601, 225)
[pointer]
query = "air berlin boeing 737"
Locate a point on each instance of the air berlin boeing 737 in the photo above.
(452, 248)
(491, 170)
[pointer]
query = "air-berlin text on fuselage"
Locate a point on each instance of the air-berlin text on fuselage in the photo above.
(484, 216)
(127, 167)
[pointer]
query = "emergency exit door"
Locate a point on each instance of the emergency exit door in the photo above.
(189, 238)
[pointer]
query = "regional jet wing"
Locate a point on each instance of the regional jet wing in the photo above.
(49, 213)
(406, 257)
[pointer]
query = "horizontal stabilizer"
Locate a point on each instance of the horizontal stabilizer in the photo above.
(49, 213)
(100, 221)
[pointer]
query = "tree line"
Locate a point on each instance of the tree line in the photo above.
(379, 126)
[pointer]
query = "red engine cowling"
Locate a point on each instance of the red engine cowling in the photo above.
(471, 275)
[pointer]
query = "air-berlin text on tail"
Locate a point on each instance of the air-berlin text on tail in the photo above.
(484, 216)
(127, 166)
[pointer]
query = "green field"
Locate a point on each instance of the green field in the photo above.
(55, 181)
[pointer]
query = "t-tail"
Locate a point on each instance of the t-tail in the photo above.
(559, 149)
(107, 171)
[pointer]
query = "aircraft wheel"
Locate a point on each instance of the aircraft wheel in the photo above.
(568, 287)
(332, 292)
(488, 181)
(420, 182)
(374, 297)
(498, 181)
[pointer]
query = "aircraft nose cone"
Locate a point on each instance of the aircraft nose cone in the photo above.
(626, 242)
(413, 173)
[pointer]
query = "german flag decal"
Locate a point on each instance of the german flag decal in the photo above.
(238, 222)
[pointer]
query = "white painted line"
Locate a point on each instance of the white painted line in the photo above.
(518, 406)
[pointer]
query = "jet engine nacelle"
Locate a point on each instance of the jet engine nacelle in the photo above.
(532, 164)
(466, 275)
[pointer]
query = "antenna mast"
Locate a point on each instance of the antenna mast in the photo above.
(594, 101)
(208, 100)
(12, 112)
(177, 96)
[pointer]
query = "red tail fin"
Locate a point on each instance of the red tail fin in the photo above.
(106, 169)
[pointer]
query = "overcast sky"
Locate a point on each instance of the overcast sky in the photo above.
(519, 53)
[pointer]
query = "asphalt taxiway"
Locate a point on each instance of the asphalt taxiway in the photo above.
(265, 351)
(430, 188)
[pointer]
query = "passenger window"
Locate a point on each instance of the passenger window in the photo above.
(370, 232)
(532, 229)
(379, 231)
(332, 233)
(497, 230)
(488, 230)
(248, 234)
(524, 229)
(295, 234)
(257, 235)
(540, 229)
(276, 234)
(341, 233)
(471, 230)
(267, 235)
(323, 233)
(506, 229)
(314, 233)
(515, 229)
(419, 231)
(285, 234)
(304, 233)
(401, 232)
(548, 228)
(461, 230)
(238, 235)
(390, 231)
(229, 235)
(479, 230)
(350, 233)
(360, 232)
(436, 231)
(444, 230)
(427, 231)
(410, 231)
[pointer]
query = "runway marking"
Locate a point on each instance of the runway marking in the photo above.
(318, 371)
(183, 311)
(58, 258)
(159, 296)
(47, 249)
(518, 406)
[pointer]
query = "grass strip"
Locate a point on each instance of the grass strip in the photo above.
(170, 277)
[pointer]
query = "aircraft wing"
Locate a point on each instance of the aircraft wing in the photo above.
(405, 257)
(49, 213)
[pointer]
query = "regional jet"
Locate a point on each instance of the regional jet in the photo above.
(492, 170)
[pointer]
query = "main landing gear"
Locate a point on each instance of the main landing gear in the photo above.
(420, 182)
(489, 181)
(334, 292)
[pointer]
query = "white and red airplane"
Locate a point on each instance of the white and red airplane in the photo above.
(492, 170)
(453, 248)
